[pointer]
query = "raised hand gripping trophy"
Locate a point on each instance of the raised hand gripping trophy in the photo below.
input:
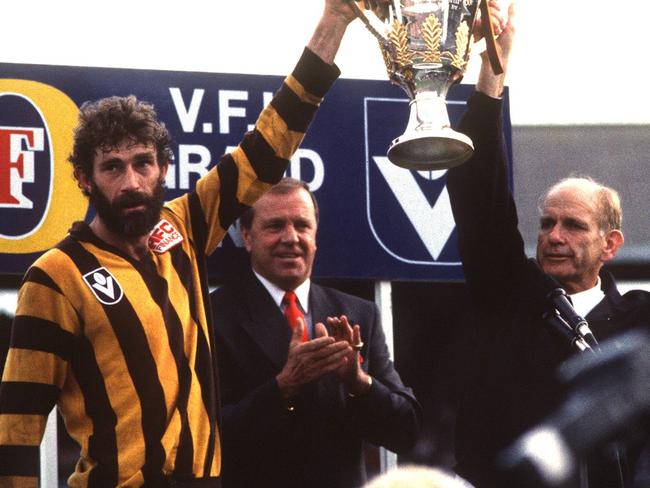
(426, 46)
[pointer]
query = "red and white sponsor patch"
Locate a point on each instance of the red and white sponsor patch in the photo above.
(163, 237)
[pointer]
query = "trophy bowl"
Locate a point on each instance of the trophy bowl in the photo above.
(425, 45)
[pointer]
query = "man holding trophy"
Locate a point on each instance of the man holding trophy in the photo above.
(425, 44)
(515, 386)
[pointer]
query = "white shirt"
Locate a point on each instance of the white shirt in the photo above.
(585, 301)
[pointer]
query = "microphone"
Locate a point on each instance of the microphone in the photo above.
(563, 305)
(555, 320)
(607, 401)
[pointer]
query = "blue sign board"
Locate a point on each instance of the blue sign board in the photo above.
(377, 221)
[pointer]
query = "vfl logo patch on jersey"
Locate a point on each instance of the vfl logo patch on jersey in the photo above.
(163, 237)
(104, 286)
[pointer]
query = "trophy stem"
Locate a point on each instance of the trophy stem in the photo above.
(429, 143)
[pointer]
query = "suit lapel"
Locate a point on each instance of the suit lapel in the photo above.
(328, 388)
(266, 324)
(318, 305)
(600, 317)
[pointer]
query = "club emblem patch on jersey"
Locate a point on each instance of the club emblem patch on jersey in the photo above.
(104, 286)
(163, 237)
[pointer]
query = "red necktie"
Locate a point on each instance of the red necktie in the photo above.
(292, 312)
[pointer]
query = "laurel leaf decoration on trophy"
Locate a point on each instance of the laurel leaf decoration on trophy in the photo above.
(399, 41)
(432, 34)
(462, 38)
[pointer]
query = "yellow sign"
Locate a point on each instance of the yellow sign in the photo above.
(65, 202)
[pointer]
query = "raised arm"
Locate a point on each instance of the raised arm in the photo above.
(488, 83)
(329, 31)
(490, 244)
(261, 158)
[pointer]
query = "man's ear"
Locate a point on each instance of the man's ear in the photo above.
(613, 240)
(83, 181)
(246, 235)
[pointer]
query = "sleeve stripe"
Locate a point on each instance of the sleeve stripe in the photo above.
(275, 132)
(19, 460)
(248, 193)
(27, 398)
(28, 434)
(268, 166)
(41, 335)
(296, 87)
(230, 208)
(35, 367)
(314, 74)
(297, 114)
(37, 275)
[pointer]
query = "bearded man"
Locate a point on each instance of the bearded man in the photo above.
(112, 325)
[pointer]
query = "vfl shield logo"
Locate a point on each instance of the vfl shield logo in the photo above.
(409, 212)
(104, 286)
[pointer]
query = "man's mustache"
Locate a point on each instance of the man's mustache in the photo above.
(132, 199)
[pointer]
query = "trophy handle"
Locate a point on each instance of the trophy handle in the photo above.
(490, 40)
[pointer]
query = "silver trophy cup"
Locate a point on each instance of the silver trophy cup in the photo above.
(425, 45)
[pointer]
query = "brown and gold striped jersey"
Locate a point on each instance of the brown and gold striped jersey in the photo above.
(124, 347)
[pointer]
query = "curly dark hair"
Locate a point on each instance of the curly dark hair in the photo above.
(105, 123)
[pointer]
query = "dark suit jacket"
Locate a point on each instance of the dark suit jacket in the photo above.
(319, 442)
(515, 385)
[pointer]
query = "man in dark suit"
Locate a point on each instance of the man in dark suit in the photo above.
(297, 410)
(515, 386)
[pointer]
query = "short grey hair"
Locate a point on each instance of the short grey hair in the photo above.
(610, 213)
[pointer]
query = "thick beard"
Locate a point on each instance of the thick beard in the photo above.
(135, 223)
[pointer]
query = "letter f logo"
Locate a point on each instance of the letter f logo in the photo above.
(17, 147)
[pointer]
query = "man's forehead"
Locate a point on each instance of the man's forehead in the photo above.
(286, 206)
(573, 202)
(125, 149)
(285, 201)
(279, 212)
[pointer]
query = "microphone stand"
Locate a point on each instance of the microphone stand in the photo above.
(579, 337)
(564, 307)
(577, 342)
(573, 336)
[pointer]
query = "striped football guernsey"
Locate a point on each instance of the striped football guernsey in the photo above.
(123, 347)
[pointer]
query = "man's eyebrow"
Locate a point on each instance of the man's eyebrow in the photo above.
(112, 160)
(576, 220)
(274, 220)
